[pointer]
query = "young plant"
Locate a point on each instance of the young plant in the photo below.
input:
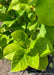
(23, 38)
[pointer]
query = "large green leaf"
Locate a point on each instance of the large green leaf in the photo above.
(21, 37)
(41, 46)
(45, 12)
(19, 61)
(43, 63)
(10, 50)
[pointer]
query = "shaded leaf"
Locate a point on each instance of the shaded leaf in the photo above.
(4, 40)
(5, 17)
(43, 62)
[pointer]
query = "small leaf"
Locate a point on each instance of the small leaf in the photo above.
(9, 23)
(51, 65)
(12, 4)
(21, 37)
(42, 31)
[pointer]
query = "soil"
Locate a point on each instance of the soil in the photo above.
(0, 23)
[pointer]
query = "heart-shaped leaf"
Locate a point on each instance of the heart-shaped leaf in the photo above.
(42, 46)
(21, 37)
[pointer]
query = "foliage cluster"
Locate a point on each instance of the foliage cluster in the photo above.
(26, 33)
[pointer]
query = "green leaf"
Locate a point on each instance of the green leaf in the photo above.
(45, 12)
(48, 32)
(9, 23)
(42, 31)
(4, 40)
(20, 12)
(21, 37)
(19, 61)
(18, 5)
(33, 60)
(13, 4)
(43, 63)
(42, 46)
(34, 35)
(10, 50)
(3, 9)
(32, 25)
(33, 21)
(0, 5)
(5, 17)
(51, 65)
